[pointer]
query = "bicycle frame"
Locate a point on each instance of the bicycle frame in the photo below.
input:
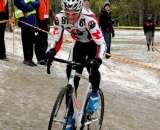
(78, 112)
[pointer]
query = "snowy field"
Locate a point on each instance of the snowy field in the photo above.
(132, 92)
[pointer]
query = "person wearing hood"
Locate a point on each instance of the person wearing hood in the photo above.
(106, 25)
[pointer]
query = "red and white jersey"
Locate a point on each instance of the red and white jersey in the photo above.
(85, 29)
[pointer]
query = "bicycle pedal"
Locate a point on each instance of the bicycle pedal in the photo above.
(88, 116)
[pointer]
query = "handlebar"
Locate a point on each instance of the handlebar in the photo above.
(72, 63)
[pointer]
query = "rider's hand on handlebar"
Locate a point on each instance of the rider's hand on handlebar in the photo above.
(50, 54)
(96, 62)
(49, 57)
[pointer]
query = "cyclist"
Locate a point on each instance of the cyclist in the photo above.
(89, 45)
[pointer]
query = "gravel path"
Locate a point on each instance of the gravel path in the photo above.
(132, 93)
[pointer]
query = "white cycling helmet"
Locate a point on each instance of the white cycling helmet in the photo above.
(72, 5)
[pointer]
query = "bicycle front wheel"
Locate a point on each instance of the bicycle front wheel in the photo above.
(58, 114)
(93, 121)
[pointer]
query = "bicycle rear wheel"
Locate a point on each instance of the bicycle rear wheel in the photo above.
(58, 114)
(93, 121)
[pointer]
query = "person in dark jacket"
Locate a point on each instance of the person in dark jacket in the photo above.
(3, 16)
(149, 29)
(106, 25)
(25, 11)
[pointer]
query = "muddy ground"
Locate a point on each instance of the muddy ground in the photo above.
(132, 93)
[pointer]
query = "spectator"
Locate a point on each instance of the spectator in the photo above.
(41, 44)
(3, 16)
(25, 11)
(149, 29)
(86, 9)
(106, 25)
(86, 4)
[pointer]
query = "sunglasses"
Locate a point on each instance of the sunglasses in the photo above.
(71, 13)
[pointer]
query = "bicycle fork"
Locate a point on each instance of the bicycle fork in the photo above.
(78, 112)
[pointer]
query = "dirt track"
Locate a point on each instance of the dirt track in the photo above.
(132, 94)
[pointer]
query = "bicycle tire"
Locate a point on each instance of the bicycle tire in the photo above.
(85, 115)
(56, 108)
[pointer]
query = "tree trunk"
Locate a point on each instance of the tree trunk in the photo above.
(140, 13)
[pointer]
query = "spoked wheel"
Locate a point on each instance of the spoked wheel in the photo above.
(93, 121)
(58, 115)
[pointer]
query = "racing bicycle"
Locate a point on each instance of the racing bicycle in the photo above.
(82, 119)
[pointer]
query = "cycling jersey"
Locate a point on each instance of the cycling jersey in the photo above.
(84, 30)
